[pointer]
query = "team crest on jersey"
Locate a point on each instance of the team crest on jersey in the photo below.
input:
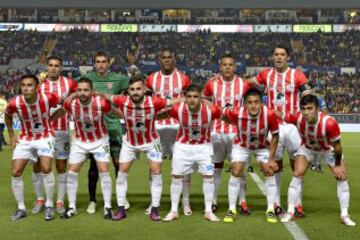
(290, 87)
(109, 85)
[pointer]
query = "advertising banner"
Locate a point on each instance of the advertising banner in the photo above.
(60, 27)
(273, 28)
(215, 28)
(157, 28)
(345, 27)
(311, 28)
(11, 27)
(118, 28)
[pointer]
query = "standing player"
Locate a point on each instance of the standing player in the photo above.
(169, 83)
(112, 83)
(3, 105)
(193, 147)
(320, 136)
(140, 112)
(36, 140)
(284, 87)
(91, 136)
(226, 90)
(62, 87)
(254, 122)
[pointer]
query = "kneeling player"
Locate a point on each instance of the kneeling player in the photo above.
(254, 122)
(193, 147)
(320, 138)
(35, 141)
(91, 136)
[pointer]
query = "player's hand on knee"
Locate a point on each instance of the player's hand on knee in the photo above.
(273, 165)
(339, 173)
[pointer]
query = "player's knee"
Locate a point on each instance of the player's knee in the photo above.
(236, 172)
(155, 171)
(60, 167)
(298, 173)
(16, 172)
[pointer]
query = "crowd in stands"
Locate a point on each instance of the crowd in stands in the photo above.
(197, 51)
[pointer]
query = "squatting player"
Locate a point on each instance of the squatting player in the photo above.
(320, 136)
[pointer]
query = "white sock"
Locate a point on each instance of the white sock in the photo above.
(270, 188)
(278, 185)
(121, 188)
(217, 182)
(233, 191)
(186, 189)
(242, 192)
(208, 190)
(106, 188)
(61, 181)
(175, 192)
(156, 190)
(294, 193)
(299, 200)
(343, 193)
(72, 187)
(38, 185)
(17, 185)
(49, 185)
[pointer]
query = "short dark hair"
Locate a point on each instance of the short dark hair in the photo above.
(282, 47)
(193, 88)
(30, 75)
(137, 78)
(102, 54)
(227, 55)
(253, 92)
(86, 80)
(54, 57)
(308, 99)
(166, 49)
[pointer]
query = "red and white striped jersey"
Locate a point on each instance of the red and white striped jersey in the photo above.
(195, 128)
(318, 136)
(89, 119)
(140, 119)
(34, 118)
(168, 86)
(283, 88)
(252, 132)
(225, 94)
(62, 88)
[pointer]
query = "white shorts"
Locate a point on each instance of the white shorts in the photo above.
(167, 135)
(289, 139)
(80, 150)
(222, 146)
(188, 156)
(130, 153)
(240, 154)
(312, 155)
(61, 145)
(31, 150)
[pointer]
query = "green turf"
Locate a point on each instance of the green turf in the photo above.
(320, 201)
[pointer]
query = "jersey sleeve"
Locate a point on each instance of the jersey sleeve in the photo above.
(273, 123)
(215, 112)
(231, 114)
(11, 107)
(261, 77)
(173, 112)
(118, 100)
(105, 105)
(291, 118)
(160, 103)
(72, 86)
(207, 92)
(148, 82)
(301, 79)
(186, 81)
(53, 99)
(67, 105)
(332, 129)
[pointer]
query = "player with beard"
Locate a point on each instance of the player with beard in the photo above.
(139, 113)
(91, 136)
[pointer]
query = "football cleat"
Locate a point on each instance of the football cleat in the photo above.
(299, 211)
(287, 217)
(270, 216)
(91, 209)
(171, 216)
(154, 214)
(39, 205)
(278, 210)
(210, 216)
(60, 208)
(69, 213)
(148, 210)
(49, 213)
(107, 213)
(347, 221)
(244, 210)
(187, 209)
(18, 214)
(120, 214)
(127, 205)
(230, 216)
